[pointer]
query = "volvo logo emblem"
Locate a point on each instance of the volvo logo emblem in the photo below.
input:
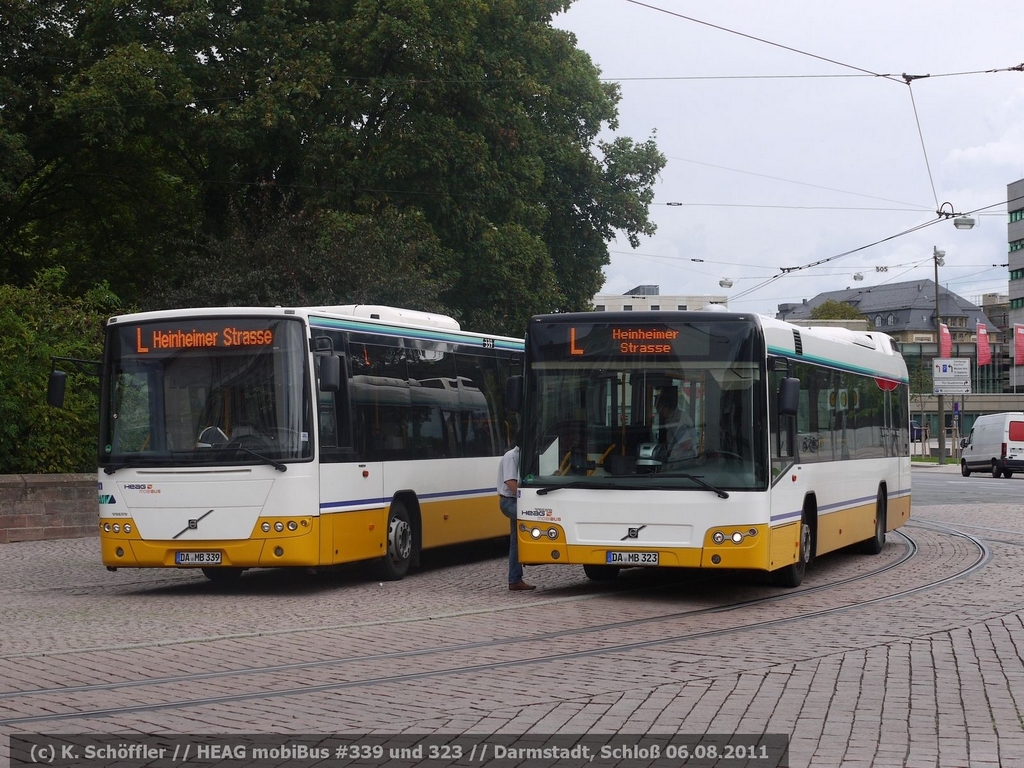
(633, 533)
(193, 524)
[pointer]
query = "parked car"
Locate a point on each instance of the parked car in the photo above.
(916, 432)
(996, 445)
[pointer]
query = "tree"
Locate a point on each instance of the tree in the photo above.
(37, 323)
(835, 310)
(143, 139)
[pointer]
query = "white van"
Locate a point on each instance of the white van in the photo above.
(996, 445)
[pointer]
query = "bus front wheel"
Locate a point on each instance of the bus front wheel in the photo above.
(396, 560)
(874, 545)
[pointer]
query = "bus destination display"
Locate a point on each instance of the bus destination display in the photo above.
(624, 340)
(170, 338)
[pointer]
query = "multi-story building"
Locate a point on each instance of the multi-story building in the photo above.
(645, 297)
(906, 311)
(1015, 265)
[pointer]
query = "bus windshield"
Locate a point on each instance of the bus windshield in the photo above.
(646, 404)
(228, 390)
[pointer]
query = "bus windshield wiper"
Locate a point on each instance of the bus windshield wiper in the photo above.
(584, 484)
(275, 464)
(616, 483)
(699, 481)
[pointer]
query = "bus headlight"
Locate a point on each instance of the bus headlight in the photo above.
(278, 526)
(117, 528)
(292, 525)
(737, 537)
(265, 527)
(718, 537)
(552, 533)
(536, 533)
(127, 527)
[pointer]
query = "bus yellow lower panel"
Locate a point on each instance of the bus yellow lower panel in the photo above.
(897, 513)
(846, 527)
(353, 536)
(300, 548)
(785, 545)
(456, 521)
(751, 552)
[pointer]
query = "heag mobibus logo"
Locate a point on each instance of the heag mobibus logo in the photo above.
(141, 487)
(536, 513)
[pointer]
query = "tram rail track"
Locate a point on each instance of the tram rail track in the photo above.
(270, 680)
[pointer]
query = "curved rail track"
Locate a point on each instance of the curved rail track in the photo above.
(584, 631)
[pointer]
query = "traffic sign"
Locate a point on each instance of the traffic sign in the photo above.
(951, 376)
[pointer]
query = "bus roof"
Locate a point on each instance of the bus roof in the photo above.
(357, 317)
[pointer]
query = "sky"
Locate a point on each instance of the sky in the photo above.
(786, 148)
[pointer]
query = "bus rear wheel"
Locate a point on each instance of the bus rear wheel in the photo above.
(601, 572)
(792, 575)
(396, 560)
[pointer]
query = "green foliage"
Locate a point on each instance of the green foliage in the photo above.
(36, 323)
(835, 310)
(332, 258)
(432, 153)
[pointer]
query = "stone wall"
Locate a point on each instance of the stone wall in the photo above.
(34, 507)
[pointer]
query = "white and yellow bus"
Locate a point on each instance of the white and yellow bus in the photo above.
(801, 442)
(241, 438)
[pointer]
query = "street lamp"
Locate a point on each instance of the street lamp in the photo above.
(938, 257)
(960, 221)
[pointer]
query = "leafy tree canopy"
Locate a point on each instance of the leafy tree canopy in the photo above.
(36, 323)
(835, 310)
(448, 155)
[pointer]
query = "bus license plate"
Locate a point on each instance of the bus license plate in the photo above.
(631, 558)
(197, 558)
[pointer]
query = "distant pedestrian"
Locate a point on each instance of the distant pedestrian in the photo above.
(508, 491)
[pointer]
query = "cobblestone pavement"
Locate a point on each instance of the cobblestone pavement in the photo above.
(924, 666)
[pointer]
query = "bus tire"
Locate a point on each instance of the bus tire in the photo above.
(874, 545)
(601, 572)
(222, 575)
(792, 575)
(397, 558)
(964, 469)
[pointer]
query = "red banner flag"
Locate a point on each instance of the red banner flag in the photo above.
(945, 342)
(1018, 344)
(984, 351)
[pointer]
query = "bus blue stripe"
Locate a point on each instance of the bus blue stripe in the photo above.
(839, 505)
(350, 503)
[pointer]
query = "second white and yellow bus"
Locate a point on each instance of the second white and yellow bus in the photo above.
(801, 442)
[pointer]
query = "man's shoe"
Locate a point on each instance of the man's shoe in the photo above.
(520, 586)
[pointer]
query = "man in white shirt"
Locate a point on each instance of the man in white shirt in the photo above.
(508, 490)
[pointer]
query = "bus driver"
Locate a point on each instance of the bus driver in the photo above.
(675, 428)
